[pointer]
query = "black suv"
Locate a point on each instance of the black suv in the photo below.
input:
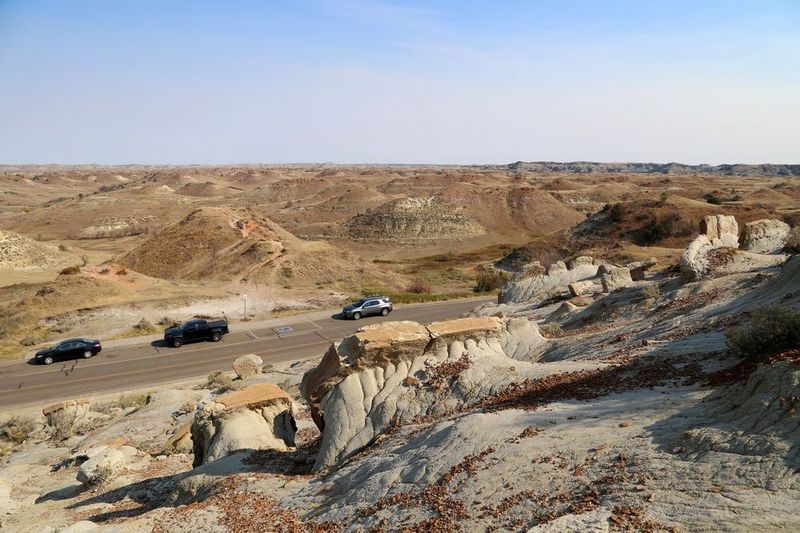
(69, 349)
(369, 305)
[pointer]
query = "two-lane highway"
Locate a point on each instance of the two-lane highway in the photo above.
(142, 365)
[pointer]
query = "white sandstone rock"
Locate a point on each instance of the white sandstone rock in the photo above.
(765, 236)
(248, 365)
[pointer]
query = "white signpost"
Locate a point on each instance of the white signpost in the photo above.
(244, 301)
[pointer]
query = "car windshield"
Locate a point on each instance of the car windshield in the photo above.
(360, 302)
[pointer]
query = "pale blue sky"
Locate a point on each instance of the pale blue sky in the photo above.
(347, 81)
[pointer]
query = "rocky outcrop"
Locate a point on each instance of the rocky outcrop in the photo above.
(394, 372)
(64, 416)
(580, 288)
(258, 417)
(247, 365)
(767, 236)
(638, 269)
(102, 462)
(614, 278)
(715, 251)
(537, 289)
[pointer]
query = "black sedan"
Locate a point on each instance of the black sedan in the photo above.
(69, 349)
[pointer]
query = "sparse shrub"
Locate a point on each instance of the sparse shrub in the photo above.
(45, 291)
(127, 401)
(84, 260)
(651, 291)
(662, 198)
(287, 272)
(420, 286)
(662, 227)
(144, 326)
(62, 247)
(713, 199)
(101, 476)
(169, 322)
(615, 212)
(17, 429)
(188, 407)
(221, 382)
(489, 280)
(70, 270)
(793, 242)
(770, 329)
(551, 329)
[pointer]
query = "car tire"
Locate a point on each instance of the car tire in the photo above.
(384, 311)
(48, 360)
(87, 354)
(356, 315)
(177, 343)
(216, 337)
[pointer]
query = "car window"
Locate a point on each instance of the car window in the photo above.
(372, 303)
(359, 303)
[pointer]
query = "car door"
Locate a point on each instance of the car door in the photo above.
(371, 308)
(66, 351)
(192, 332)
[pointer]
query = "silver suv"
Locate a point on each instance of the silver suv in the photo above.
(369, 305)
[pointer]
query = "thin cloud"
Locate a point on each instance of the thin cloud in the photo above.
(386, 14)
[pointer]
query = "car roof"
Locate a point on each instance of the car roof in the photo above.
(72, 340)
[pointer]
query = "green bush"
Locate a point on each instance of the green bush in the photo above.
(489, 280)
(616, 212)
(770, 329)
(221, 382)
(713, 199)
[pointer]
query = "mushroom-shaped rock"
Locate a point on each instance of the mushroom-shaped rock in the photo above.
(765, 236)
(258, 417)
(248, 365)
(63, 416)
(394, 372)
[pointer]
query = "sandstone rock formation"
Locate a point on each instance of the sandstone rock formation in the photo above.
(102, 462)
(614, 278)
(247, 365)
(765, 236)
(580, 288)
(258, 417)
(715, 250)
(639, 269)
(394, 372)
(63, 416)
(536, 289)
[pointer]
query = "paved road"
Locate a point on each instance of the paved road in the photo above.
(135, 366)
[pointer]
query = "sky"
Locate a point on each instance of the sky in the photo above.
(369, 81)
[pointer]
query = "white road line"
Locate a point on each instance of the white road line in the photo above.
(252, 335)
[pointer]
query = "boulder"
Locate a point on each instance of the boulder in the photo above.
(615, 278)
(639, 269)
(579, 288)
(721, 230)
(258, 417)
(392, 373)
(536, 289)
(767, 236)
(102, 462)
(64, 416)
(181, 439)
(248, 365)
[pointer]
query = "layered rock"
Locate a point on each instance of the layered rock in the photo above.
(394, 372)
(537, 289)
(258, 417)
(767, 236)
(581, 288)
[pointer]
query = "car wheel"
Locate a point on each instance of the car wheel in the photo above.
(48, 360)
(216, 337)
(87, 354)
(356, 315)
(177, 343)
(384, 311)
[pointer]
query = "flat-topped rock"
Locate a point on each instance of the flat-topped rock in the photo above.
(466, 326)
(253, 396)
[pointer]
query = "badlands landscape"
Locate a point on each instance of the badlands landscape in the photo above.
(637, 371)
